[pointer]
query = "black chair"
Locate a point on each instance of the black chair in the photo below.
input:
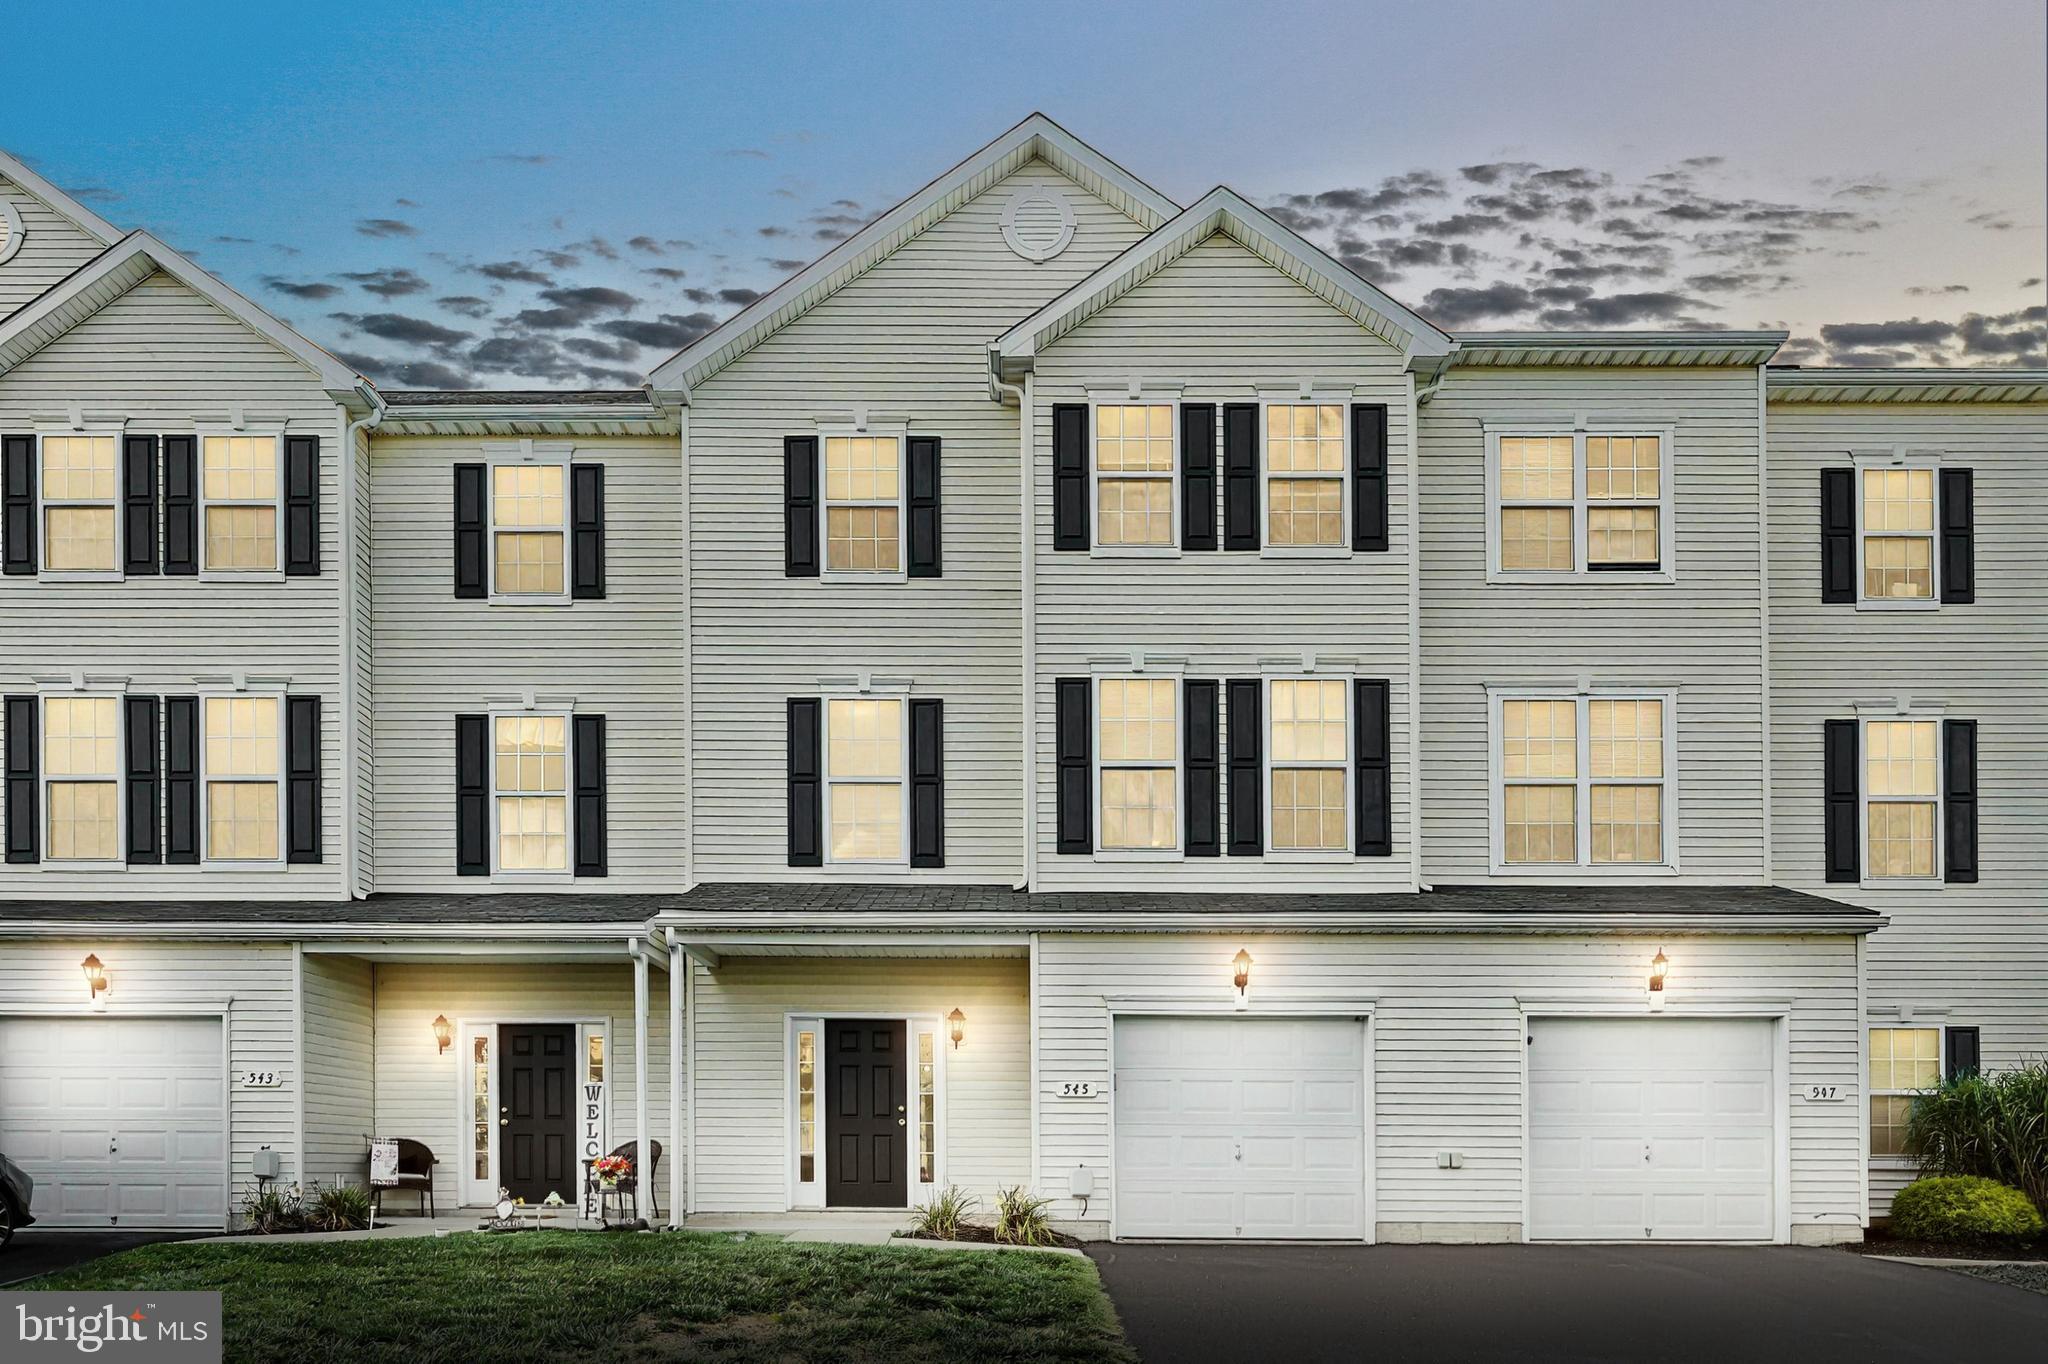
(629, 1183)
(415, 1172)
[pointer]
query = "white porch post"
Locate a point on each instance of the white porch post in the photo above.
(643, 1163)
(676, 967)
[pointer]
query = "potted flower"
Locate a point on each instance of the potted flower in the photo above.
(610, 1169)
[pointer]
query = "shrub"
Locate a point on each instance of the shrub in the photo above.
(270, 1209)
(1021, 1219)
(940, 1219)
(341, 1208)
(1963, 1208)
(1995, 1127)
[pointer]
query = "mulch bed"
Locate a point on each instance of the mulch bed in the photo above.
(1877, 1242)
(986, 1235)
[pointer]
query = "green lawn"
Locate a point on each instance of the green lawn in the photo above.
(563, 1298)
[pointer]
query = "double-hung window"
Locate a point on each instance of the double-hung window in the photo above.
(80, 482)
(865, 793)
(864, 504)
(1582, 781)
(1310, 764)
(530, 792)
(82, 778)
(1903, 1061)
(1572, 503)
(239, 485)
(529, 531)
(1138, 764)
(1901, 799)
(1134, 470)
(1306, 468)
(1896, 521)
(243, 764)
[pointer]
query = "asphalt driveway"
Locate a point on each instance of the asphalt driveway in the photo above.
(34, 1252)
(1305, 1304)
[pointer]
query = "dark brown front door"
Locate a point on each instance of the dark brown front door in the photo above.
(537, 1110)
(866, 1123)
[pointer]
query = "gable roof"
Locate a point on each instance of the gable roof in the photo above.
(1222, 210)
(122, 266)
(1036, 138)
(57, 201)
(1743, 348)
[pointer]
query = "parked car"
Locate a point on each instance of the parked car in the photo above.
(15, 1190)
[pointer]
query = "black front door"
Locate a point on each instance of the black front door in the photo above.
(866, 1123)
(537, 1110)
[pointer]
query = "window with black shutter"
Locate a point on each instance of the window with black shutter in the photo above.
(472, 519)
(138, 505)
(1374, 742)
(927, 782)
(1959, 801)
(181, 505)
(1245, 751)
(800, 507)
(1070, 476)
(1202, 767)
(1240, 475)
(586, 520)
(472, 795)
(1840, 789)
(806, 796)
(592, 816)
(1958, 537)
(302, 778)
(18, 504)
(1074, 800)
(1368, 476)
(1198, 476)
(302, 507)
(181, 780)
(23, 764)
(142, 748)
(925, 559)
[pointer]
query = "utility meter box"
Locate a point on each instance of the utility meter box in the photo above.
(266, 1164)
(1081, 1182)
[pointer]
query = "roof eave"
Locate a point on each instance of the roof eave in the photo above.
(57, 201)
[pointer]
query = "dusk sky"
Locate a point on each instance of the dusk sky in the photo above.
(560, 195)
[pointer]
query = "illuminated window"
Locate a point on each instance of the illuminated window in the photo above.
(82, 778)
(1571, 503)
(239, 483)
(927, 1108)
(529, 529)
(530, 772)
(863, 504)
(593, 1067)
(1305, 473)
(1134, 475)
(807, 1106)
(864, 778)
(1583, 780)
(242, 763)
(79, 488)
(1901, 799)
(480, 1116)
(1896, 510)
(1903, 1061)
(1138, 760)
(1310, 766)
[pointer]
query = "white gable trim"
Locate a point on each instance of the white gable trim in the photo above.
(58, 202)
(1036, 138)
(123, 266)
(1221, 210)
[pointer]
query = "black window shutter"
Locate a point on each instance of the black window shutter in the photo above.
(1965, 1053)
(302, 507)
(586, 525)
(181, 778)
(1959, 800)
(18, 502)
(302, 778)
(181, 505)
(472, 795)
(1197, 476)
(1073, 738)
(1246, 761)
(1373, 715)
(472, 513)
(927, 783)
(1368, 476)
(806, 782)
(1838, 535)
(593, 856)
(1240, 476)
(800, 510)
(23, 821)
(1203, 766)
(142, 765)
(1070, 475)
(1958, 537)
(924, 507)
(1844, 840)
(138, 507)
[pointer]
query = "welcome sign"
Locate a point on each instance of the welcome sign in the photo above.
(165, 1328)
(593, 1143)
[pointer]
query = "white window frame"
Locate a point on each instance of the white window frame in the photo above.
(872, 690)
(528, 454)
(1922, 712)
(1342, 402)
(1900, 457)
(1667, 529)
(274, 693)
(1151, 672)
(1897, 1024)
(900, 433)
(44, 502)
(1584, 866)
(1135, 397)
(566, 713)
(87, 690)
(1349, 766)
(802, 1194)
(207, 572)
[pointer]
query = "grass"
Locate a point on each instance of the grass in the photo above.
(564, 1298)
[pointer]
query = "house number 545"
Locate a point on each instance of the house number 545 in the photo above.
(1077, 1089)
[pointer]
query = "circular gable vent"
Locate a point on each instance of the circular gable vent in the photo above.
(1039, 223)
(10, 230)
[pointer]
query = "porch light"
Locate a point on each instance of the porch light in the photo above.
(1660, 966)
(1242, 976)
(444, 1032)
(956, 1025)
(95, 975)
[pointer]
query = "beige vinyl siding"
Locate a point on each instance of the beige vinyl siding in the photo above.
(1447, 1044)
(907, 339)
(1225, 326)
(164, 360)
(52, 246)
(742, 1088)
(250, 983)
(437, 657)
(1980, 951)
(1700, 635)
(419, 1088)
(338, 1044)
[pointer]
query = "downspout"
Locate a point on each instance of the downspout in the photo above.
(1415, 630)
(1763, 577)
(689, 652)
(1027, 552)
(351, 795)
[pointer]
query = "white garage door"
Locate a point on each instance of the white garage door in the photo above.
(118, 1120)
(1239, 1127)
(1651, 1129)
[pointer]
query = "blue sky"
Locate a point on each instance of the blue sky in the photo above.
(451, 193)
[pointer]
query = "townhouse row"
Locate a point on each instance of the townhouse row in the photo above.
(1218, 750)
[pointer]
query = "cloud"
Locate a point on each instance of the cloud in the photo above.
(750, 153)
(785, 264)
(469, 305)
(1931, 290)
(596, 246)
(1625, 310)
(386, 227)
(2017, 338)
(2033, 283)
(512, 272)
(560, 260)
(399, 374)
(415, 331)
(1844, 336)
(522, 158)
(1994, 222)
(574, 307)
(670, 331)
(233, 241)
(668, 272)
(391, 283)
(773, 231)
(1456, 308)
(310, 292)
(598, 349)
(1462, 225)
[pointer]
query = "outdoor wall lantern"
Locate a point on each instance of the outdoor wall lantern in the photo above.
(1241, 971)
(95, 975)
(1660, 966)
(956, 1024)
(444, 1032)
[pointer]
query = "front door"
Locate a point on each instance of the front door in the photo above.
(537, 1110)
(866, 1123)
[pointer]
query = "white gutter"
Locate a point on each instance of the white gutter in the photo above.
(1415, 633)
(1028, 654)
(351, 794)
(849, 927)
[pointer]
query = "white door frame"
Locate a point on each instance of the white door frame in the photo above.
(1361, 1009)
(1778, 1013)
(796, 1196)
(220, 1009)
(469, 1193)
